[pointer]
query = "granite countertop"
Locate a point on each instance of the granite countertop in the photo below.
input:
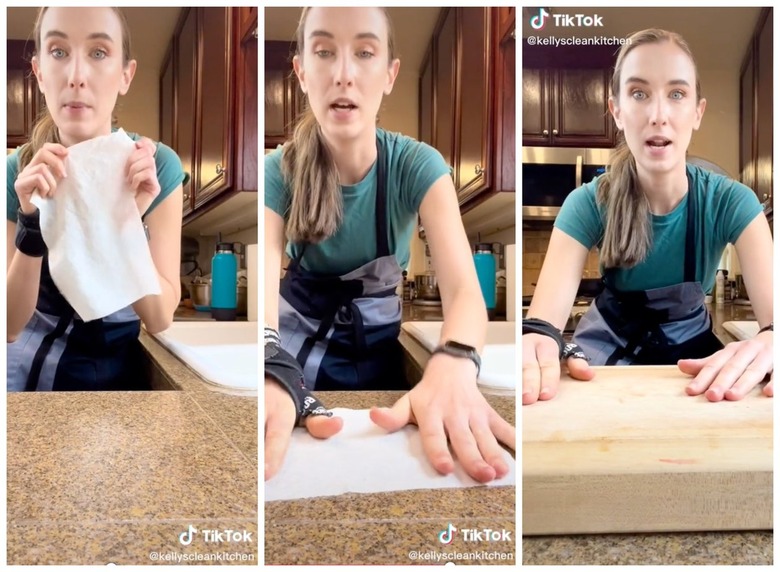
(384, 528)
(99, 477)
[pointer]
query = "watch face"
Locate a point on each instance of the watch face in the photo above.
(461, 348)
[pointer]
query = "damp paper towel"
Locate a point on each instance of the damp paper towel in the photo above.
(98, 253)
(363, 458)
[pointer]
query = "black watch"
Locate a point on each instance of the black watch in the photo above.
(457, 349)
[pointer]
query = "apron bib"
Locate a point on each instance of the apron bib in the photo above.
(650, 327)
(344, 330)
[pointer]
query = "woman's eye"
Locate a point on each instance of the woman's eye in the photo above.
(323, 53)
(365, 54)
(99, 54)
(57, 53)
(637, 94)
(677, 94)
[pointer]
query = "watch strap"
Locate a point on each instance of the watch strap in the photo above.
(29, 240)
(465, 351)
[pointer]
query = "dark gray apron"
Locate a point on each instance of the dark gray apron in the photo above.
(344, 330)
(650, 327)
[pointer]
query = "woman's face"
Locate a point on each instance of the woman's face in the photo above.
(344, 68)
(657, 108)
(80, 70)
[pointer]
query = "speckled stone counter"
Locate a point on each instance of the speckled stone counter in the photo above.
(385, 528)
(703, 548)
(99, 477)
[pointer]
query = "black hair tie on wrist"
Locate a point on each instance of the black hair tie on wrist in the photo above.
(769, 328)
(565, 349)
(29, 240)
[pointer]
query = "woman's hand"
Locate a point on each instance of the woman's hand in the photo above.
(733, 371)
(280, 421)
(542, 368)
(141, 173)
(43, 173)
(447, 403)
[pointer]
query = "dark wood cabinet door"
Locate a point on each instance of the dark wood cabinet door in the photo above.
(426, 99)
(167, 107)
(581, 114)
(246, 167)
(215, 117)
(186, 102)
(284, 100)
(475, 60)
(23, 99)
(747, 165)
(536, 107)
(504, 179)
(764, 104)
(444, 120)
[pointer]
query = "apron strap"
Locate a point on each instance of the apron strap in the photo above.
(382, 246)
(44, 348)
(690, 234)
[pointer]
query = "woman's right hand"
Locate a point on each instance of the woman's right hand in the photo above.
(280, 421)
(542, 368)
(43, 173)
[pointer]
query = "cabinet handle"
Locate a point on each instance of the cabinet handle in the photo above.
(220, 169)
(478, 170)
(765, 196)
(555, 132)
(545, 132)
(255, 34)
(514, 34)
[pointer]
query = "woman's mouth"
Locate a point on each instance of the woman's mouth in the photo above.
(343, 110)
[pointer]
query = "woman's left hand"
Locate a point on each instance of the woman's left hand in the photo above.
(447, 403)
(141, 174)
(734, 371)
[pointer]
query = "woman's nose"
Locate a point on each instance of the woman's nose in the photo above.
(659, 112)
(345, 71)
(77, 72)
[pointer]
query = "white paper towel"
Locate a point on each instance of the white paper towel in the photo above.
(363, 458)
(98, 253)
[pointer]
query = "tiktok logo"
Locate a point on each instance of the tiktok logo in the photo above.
(447, 536)
(538, 21)
(186, 537)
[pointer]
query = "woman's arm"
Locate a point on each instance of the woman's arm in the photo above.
(274, 246)
(23, 277)
(164, 222)
(558, 282)
(754, 249)
(465, 316)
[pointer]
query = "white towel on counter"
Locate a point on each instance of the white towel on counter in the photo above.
(99, 257)
(364, 458)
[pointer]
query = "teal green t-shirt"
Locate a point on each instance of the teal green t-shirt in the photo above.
(726, 208)
(413, 167)
(169, 174)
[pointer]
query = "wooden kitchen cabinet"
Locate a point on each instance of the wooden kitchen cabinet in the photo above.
(567, 108)
(206, 110)
(461, 112)
(24, 101)
(756, 93)
(284, 100)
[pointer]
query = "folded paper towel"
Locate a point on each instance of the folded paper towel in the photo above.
(98, 252)
(363, 458)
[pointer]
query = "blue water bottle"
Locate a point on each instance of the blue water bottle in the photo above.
(485, 263)
(223, 283)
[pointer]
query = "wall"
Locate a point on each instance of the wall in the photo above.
(208, 245)
(535, 243)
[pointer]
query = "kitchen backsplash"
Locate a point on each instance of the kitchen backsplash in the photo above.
(535, 243)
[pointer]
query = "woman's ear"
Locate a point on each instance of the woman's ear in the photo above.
(392, 74)
(299, 72)
(699, 113)
(615, 111)
(128, 73)
(37, 71)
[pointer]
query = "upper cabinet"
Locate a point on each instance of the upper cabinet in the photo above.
(284, 99)
(755, 142)
(565, 95)
(467, 99)
(206, 109)
(24, 100)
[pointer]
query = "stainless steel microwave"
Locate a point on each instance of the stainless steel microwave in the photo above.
(551, 173)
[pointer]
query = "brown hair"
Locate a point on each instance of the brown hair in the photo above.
(308, 168)
(45, 131)
(628, 231)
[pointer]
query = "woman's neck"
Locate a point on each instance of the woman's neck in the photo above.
(354, 157)
(664, 191)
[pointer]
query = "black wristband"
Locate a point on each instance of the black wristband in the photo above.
(285, 369)
(565, 350)
(769, 328)
(29, 240)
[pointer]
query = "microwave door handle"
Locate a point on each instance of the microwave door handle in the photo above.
(578, 172)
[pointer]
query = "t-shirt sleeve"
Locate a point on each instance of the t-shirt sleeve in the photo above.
(737, 208)
(420, 166)
(276, 195)
(579, 216)
(12, 201)
(170, 173)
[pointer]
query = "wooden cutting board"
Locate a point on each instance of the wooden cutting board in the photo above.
(742, 330)
(630, 451)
